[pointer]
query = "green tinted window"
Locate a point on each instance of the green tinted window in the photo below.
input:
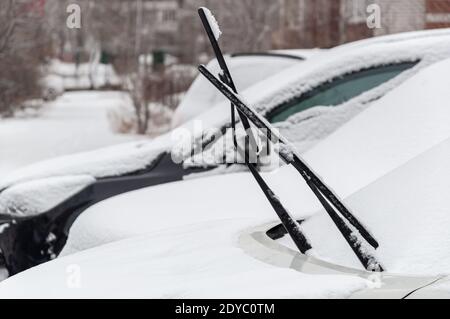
(340, 90)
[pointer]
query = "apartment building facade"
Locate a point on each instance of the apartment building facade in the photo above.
(326, 23)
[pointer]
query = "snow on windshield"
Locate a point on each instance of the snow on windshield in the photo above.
(392, 160)
(407, 211)
(403, 124)
(333, 63)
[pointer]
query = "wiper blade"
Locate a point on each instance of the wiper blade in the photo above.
(325, 195)
(225, 76)
(289, 223)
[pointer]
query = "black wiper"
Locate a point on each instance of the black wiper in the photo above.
(330, 202)
(289, 223)
(225, 76)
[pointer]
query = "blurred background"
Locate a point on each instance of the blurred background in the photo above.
(149, 49)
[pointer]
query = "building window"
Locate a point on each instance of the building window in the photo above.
(168, 16)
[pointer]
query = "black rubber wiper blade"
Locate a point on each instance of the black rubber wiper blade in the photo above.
(325, 195)
(225, 76)
(289, 223)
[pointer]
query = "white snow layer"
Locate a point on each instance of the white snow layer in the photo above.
(106, 162)
(172, 257)
(39, 196)
(195, 261)
(76, 122)
(405, 138)
(125, 216)
(400, 126)
(83, 76)
(407, 211)
(306, 129)
(73, 123)
(342, 60)
(212, 22)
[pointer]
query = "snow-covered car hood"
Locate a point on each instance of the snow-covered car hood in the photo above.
(189, 248)
(408, 212)
(195, 261)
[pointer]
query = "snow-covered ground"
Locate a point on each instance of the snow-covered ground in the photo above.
(73, 123)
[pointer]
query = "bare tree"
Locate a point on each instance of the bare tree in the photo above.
(248, 23)
(23, 47)
(8, 21)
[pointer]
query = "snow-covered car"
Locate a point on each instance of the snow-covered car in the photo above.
(218, 237)
(52, 87)
(84, 76)
(247, 69)
(307, 102)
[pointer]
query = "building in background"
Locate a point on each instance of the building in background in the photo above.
(306, 24)
(133, 27)
(437, 14)
(160, 24)
(327, 23)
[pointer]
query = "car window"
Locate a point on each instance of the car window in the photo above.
(340, 90)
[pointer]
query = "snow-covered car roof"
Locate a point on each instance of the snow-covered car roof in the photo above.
(428, 47)
(300, 53)
(246, 70)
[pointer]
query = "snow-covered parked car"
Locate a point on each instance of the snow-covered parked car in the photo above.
(218, 237)
(52, 87)
(307, 102)
(247, 68)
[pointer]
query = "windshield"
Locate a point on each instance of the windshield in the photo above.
(340, 90)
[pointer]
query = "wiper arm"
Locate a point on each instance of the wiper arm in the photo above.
(289, 223)
(225, 76)
(327, 198)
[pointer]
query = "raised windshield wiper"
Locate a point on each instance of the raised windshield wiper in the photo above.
(330, 202)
